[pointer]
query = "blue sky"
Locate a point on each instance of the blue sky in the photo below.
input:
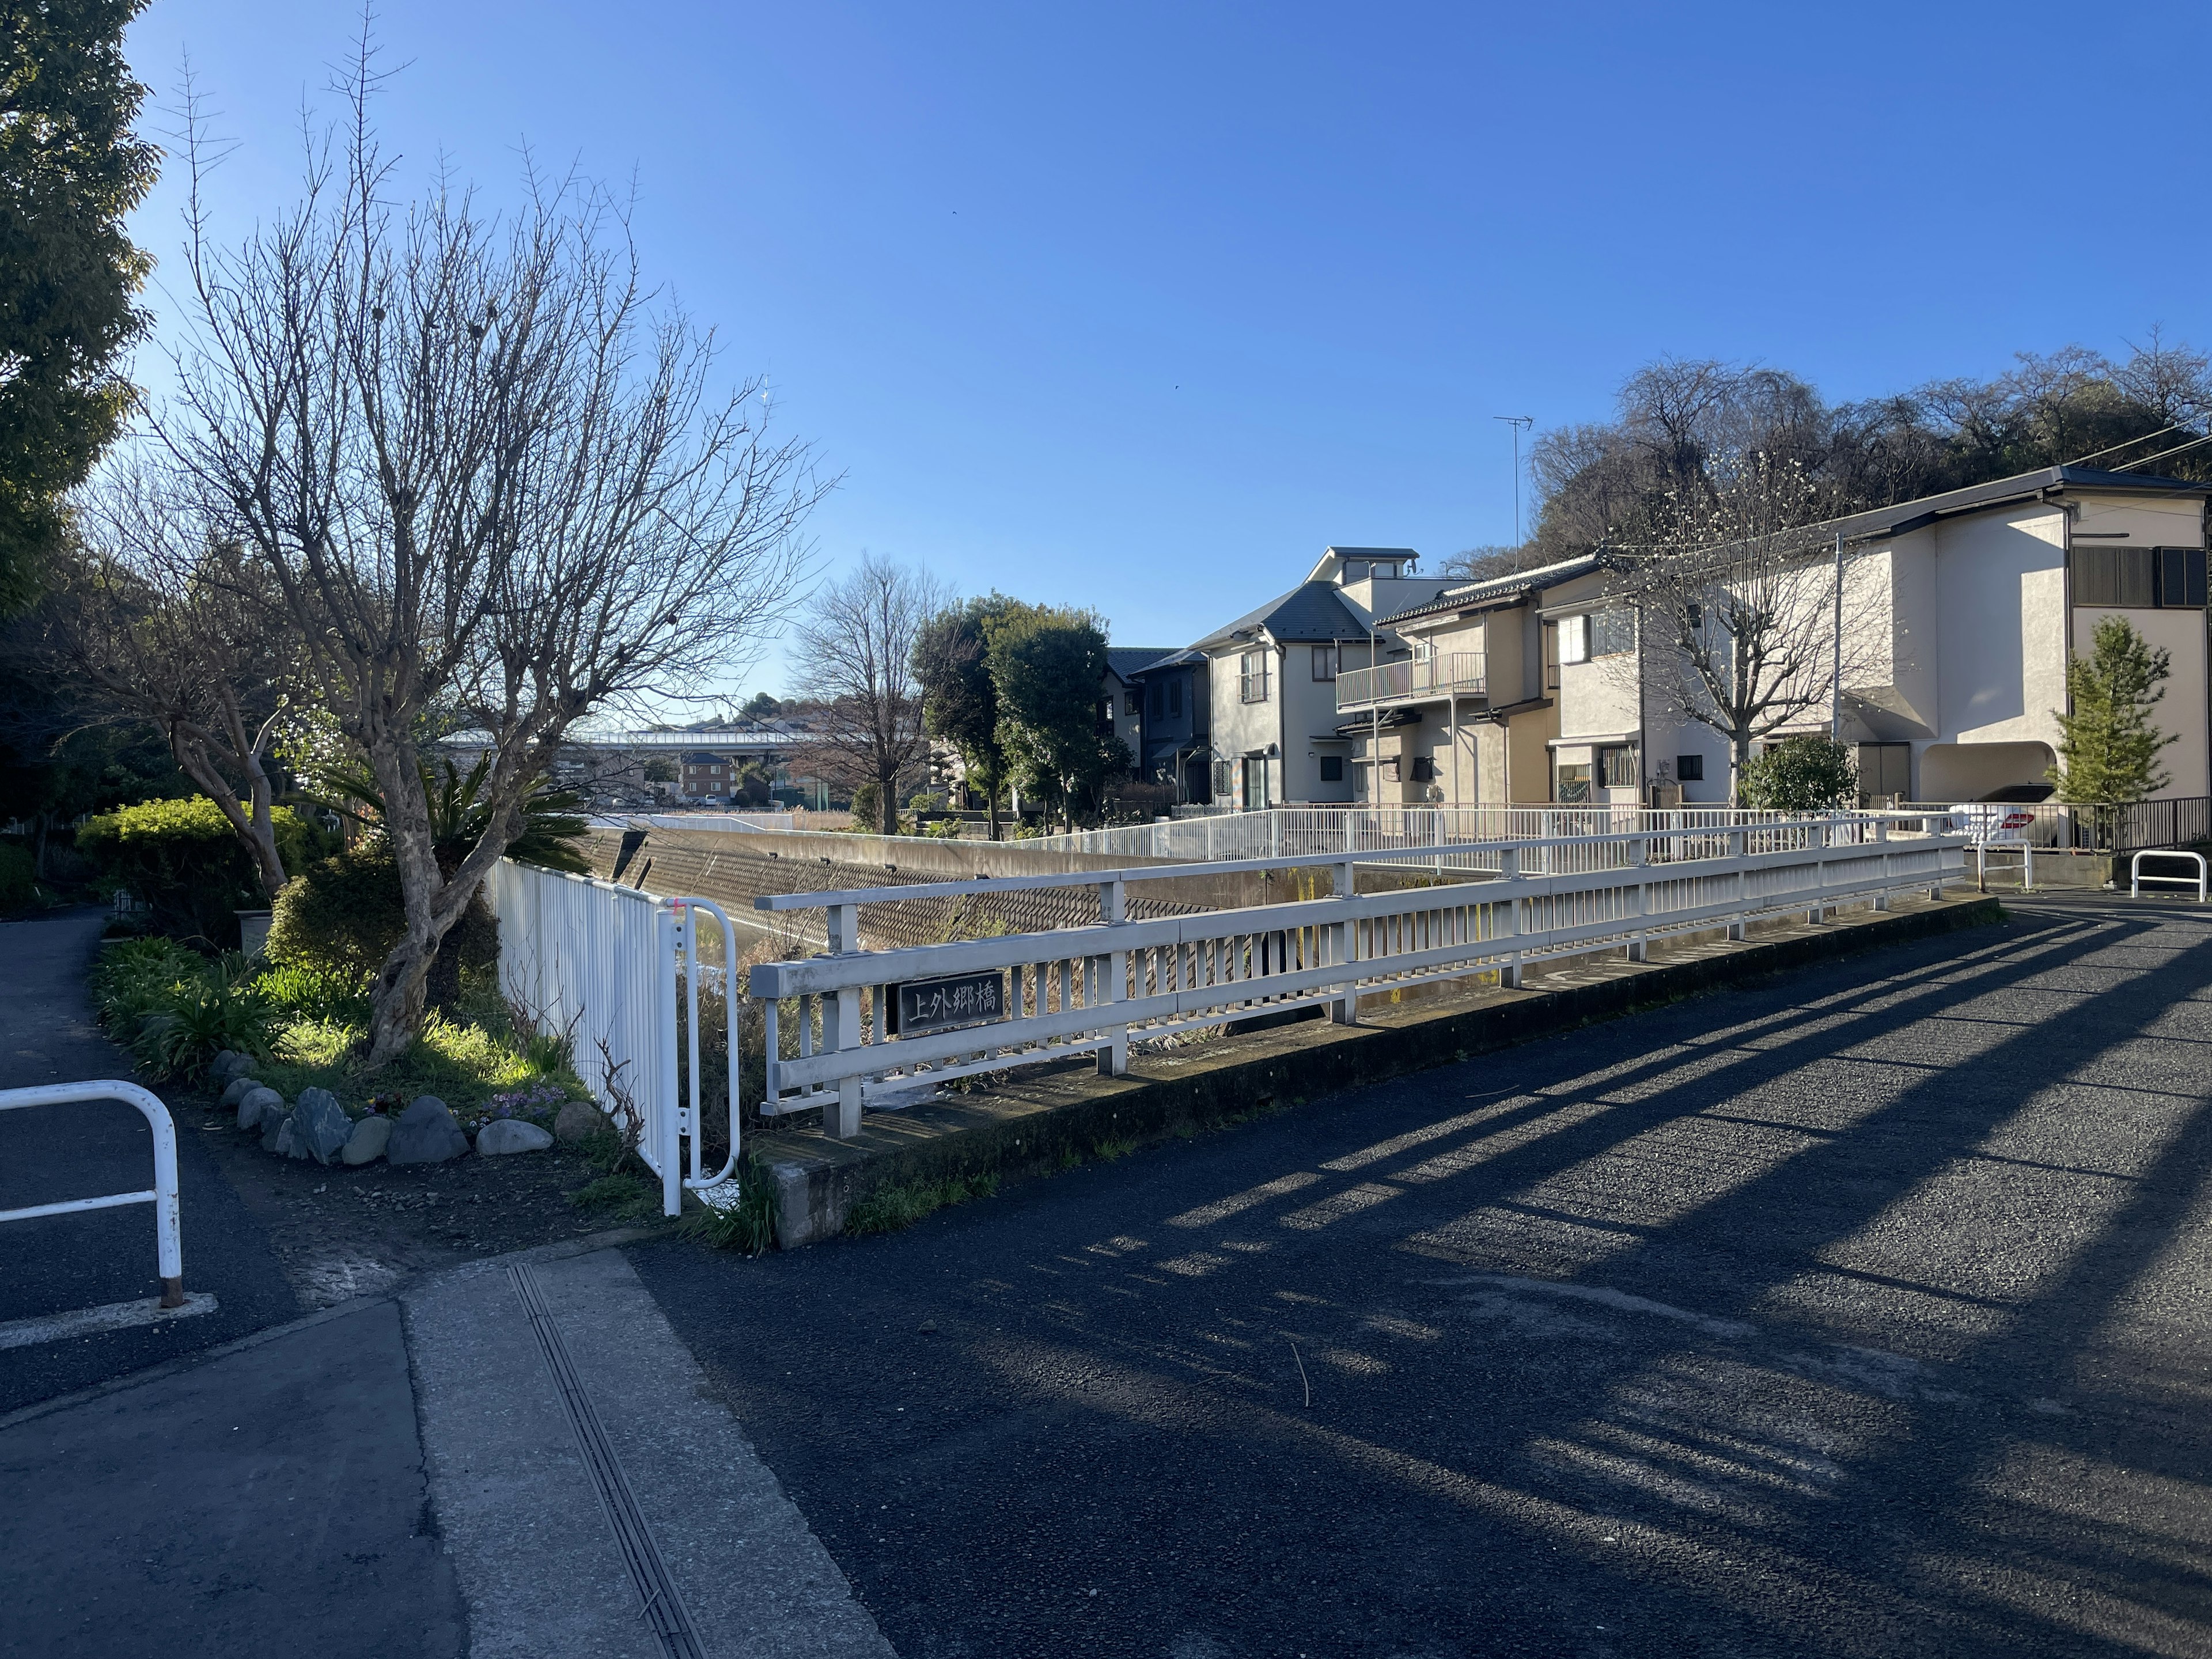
(1138, 308)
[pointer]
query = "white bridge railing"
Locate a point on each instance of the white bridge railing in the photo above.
(609, 968)
(874, 1022)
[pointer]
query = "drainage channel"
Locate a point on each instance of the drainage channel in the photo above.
(663, 1608)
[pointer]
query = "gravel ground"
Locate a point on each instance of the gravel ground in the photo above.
(1858, 1312)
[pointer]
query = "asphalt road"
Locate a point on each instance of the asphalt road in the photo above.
(59, 1263)
(1858, 1312)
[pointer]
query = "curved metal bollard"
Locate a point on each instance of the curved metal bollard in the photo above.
(168, 1220)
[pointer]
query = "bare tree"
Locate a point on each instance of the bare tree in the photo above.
(855, 656)
(1737, 609)
(162, 633)
(470, 467)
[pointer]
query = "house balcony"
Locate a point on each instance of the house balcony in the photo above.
(1448, 674)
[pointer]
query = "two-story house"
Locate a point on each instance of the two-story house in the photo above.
(1271, 675)
(1177, 732)
(1963, 609)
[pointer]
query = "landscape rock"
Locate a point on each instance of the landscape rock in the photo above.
(511, 1134)
(286, 1141)
(228, 1064)
(368, 1140)
(256, 1104)
(426, 1133)
(577, 1120)
(321, 1127)
(236, 1091)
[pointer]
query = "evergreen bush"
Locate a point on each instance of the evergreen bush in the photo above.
(343, 914)
(180, 858)
(1804, 774)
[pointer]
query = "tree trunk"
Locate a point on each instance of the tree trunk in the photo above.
(396, 1009)
(889, 814)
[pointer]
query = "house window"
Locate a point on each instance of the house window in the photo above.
(1611, 633)
(1331, 769)
(1574, 639)
(1551, 656)
(2180, 578)
(1132, 703)
(1574, 783)
(1252, 680)
(1424, 769)
(1690, 769)
(1174, 695)
(1324, 662)
(2119, 577)
(1617, 767)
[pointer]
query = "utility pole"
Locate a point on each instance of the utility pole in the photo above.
(1516, 421)
(1836, 689)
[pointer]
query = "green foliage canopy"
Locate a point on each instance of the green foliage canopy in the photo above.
(181, 859)
(960, 698)
(70, 169)
(2108, 746)
(1806, 773)
(1046, 664)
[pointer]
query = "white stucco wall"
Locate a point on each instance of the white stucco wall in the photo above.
(2000, 630)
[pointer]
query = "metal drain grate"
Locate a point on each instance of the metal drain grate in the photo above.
(656, 1587)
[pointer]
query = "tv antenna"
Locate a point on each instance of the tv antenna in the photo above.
(1516, 421)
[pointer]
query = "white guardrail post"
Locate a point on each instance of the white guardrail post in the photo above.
(841, 1024)
(1113, 911)
(2201, 881)
(168, 1216)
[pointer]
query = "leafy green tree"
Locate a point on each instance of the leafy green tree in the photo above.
(1047, 665)
(1806, 773)
(70, 168)
(959, 699)
(761, 707)
(2108, 747)
(660, 769)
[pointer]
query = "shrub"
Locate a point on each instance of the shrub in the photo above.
(198, 1021)
(135, 977)
(343, 914)
(182, 859)
(1804, 774)
(17, 884)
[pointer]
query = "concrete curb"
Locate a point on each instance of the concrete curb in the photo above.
(1036, 1122)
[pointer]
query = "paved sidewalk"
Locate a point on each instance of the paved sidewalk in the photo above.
(277, 1495)
(60, 1263)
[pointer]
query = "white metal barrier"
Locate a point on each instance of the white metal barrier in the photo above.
(2135, 877)
(168, 1217)
(603, 965)
(875, 1021)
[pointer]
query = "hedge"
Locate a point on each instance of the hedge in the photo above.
(345, 914)
(181, 859)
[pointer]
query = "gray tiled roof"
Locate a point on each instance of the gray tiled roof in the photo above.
(1499, 587)
(1130, 660)
(1311, 610)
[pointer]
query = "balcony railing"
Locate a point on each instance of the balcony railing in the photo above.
(1456, 671)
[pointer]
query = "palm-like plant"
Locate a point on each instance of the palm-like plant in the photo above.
(551, 825)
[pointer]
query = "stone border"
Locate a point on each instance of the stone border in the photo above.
(1033, 1122)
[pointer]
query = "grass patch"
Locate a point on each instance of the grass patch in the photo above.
(619, 1198)
(746, 1224)
(889, 1208)
(1109, 1151)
